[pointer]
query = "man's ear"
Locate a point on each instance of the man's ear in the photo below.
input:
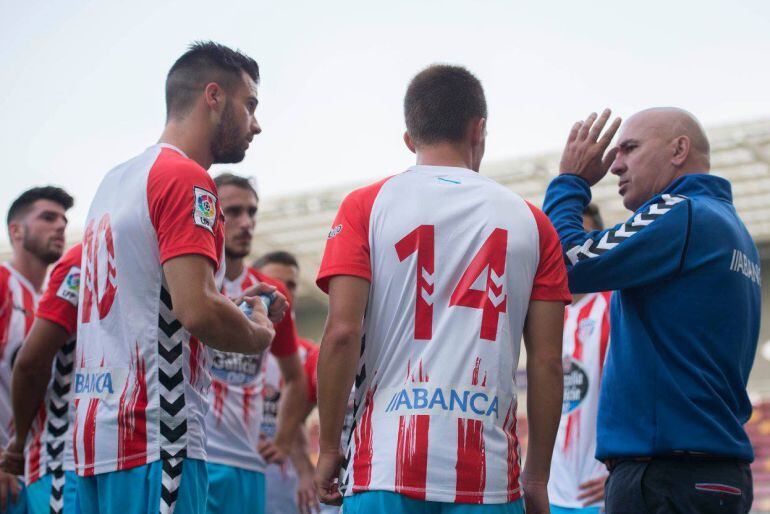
(409, 143)
(681, 150)
(214, 96)
(15, 231)
(478, 131)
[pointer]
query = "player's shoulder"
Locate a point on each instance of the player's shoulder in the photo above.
(72, 256)
(171, 165)
(365, 195)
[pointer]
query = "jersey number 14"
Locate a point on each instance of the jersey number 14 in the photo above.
(491, 301)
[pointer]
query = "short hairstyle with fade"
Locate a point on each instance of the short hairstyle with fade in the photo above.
(24, 202)
(277, 257)
(204, 62)
(440, 102)
(228, 179)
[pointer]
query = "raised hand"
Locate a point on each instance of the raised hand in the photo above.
(585, 153)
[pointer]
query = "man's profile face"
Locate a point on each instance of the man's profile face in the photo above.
(41, 230)
(239, 206)
(643, 163)
(286, 273)
(238, 123)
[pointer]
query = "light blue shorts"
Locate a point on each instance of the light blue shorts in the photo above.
(235, 490)
(372, 502)
(42, 499)
(20, 505)
(555, 509)
(140, 490)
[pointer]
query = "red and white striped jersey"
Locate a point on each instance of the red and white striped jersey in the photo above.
(18, 300)
(50, 441)
(141, 379)
(586, 337)
(235, 415)
(273, 384)
(453, 259)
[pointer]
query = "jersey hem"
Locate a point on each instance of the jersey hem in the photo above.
(235, 464)
(56, 318)
(322, 281)
(444, 495)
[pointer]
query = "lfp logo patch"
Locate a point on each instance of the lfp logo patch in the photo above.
(205, 208)
(68, 290)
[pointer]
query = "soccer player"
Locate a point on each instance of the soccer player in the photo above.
(150, 297)
(36, 222)
(290, 487)
(577, 478)
(441, 270)
(685, 312)
(42, 406)
(236, 469)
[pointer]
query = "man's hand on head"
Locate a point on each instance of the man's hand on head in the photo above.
(585, 153)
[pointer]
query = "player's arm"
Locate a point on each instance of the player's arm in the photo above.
(292, 408)
(29, 382)
(337, 365)
(649, 247)
(209, 315)
(543, 340)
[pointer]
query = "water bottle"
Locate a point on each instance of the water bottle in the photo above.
(266, 299)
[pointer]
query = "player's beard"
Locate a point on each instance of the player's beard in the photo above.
(37, 247)
(235, 254)
(227, 146)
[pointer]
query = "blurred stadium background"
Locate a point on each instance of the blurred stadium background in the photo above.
(740, 152)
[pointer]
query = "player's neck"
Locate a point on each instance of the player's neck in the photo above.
(445, 154)
(577, 297)
(194, 143)
(30, 267)
(233, 267)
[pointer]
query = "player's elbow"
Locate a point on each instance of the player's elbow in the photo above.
(340, 335)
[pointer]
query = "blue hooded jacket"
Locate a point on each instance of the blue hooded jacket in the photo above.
(684, 316)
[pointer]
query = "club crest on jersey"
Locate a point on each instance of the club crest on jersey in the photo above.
(334, 231)
(101, 383)
(205, 208)
(472, 402)
(68, 290)
(575, 385)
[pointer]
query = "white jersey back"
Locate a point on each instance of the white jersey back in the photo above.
(586, 338)
(453, 259)
(141, 379)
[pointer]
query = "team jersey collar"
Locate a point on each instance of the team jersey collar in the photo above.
(582, 302)
(236, 283)
(21, 278)
(701, 184)
(172, 147)
(441, 170)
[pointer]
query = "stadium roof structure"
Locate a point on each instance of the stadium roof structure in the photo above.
(740, 153)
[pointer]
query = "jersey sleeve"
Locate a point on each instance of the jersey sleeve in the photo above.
(286, 340)
(6, 306)
(550, 283)
(649, 247)
(347, 245)
(311, 364)
(59, 303)
(184, 208)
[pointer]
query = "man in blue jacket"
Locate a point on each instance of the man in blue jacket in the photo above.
(685, 317)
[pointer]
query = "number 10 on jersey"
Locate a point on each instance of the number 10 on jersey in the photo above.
(490, 258)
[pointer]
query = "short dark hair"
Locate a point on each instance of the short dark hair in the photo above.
(440, 102)
(22, 204)
(228, 179)
(204, 62)
(277, 257)
(592, 212)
